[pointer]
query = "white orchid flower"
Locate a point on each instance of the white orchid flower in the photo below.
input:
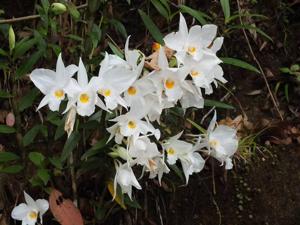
(117, 75)
(52, 83)
(194, 42)
(222, 142)
(132, 124)
(143, 151)
(158, 169)
(125, 178)
(191, 161)
(192, 97)
(205, 71)
(28, 212)
(81, 94)
(169, 81)
(138, 90)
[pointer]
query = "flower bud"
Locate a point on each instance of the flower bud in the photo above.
(58, 8)
(70, 121)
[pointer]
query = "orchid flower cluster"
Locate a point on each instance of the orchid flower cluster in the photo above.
(138, 97)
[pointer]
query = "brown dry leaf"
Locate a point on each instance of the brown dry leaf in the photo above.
(64, 210)
(152, 60)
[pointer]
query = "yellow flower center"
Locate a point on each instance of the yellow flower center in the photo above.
(214, 143)
(59, 94)
(195, 73)
(105, 92)
(131, 124)
(155, 46)
(84, 98)
(170, 83)
(131, 90)
(170, 151)
(192, 50)
(32, 215)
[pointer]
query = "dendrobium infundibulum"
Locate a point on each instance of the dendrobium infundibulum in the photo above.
(29, 212)
(132, 124)
(191, 160)
(222, 142)
(52, 83)
(139, 96)
(194, 42)
(117, 75)
(81, 93)
(143, 151)
(168, 81)
(125, 178)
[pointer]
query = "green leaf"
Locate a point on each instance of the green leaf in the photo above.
(11, 39)
(11, 169)
(240, 63)
(250, 15)
(4, 94)
(8, 156)
(152, 28)
(22, 47)
(115, 50)
(73, 11)
(119, 27)
(132, 203)
(178, 171)
(226, 9)
(31, 134)
(95, 149)
(37, 158)
(198, 15)
(28, 65)
(3, 52)
(197, 126)
(55, 161)
(70, 144)
(74, 37)
(6, 129)
(46, 5)
(217, 104)
(161, 8)
(286, 92)
(44, 175)
(27, 100)
(251, 27)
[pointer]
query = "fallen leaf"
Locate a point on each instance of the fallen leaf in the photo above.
(64, 210)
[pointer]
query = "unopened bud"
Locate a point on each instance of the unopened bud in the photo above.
(58, 8)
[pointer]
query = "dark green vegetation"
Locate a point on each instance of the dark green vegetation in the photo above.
(263, 188)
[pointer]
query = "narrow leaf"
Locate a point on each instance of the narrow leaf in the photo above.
(226, 9)
(217, 104)
(69, 146)
(6, 129)
(198, 15)
(152, 28)
(37, 158)
(8, 156)
(239, 63)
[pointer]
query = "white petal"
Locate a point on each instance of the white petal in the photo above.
(183, 29)
(209, 32)
(20, 211)
(54, 104)
(43, 79)
(218, 42)
(212, 123)
(44, 101)
(82, 75)
(29, 200)
(194, 39)
(60, 67)
(162, 59)
(43, 205)
(72, 69)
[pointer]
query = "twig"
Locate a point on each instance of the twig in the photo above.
(31, 17)
(258, 63)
